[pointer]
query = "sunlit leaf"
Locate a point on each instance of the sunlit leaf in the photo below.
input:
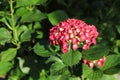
(58, 77)
(39, 34)
(37, 25)
(74, 78)
(53, 59)
(5, 67)
(30, 15)
(108, 77)
(8, 55)
(43, 75)
(23, 69)
(34, 15)
(15, 74)
(28, 3)
(71, 57)
(118, 43)
(92, 74)
(5, 36)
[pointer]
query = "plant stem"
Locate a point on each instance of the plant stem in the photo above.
(12, 12)
(15, 37)
(82, 77)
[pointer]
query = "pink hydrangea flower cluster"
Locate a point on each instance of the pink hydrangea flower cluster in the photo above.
(99, 62)
(73, 31)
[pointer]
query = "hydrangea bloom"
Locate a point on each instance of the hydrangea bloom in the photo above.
(73, 31)
(99, 62)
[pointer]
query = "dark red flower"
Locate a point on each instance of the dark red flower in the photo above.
(99, 62)
(73, 31)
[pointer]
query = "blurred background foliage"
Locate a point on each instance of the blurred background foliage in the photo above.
(32, 21)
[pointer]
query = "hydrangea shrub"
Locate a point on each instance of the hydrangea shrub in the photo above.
(42, 42)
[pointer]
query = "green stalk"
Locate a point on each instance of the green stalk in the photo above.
(15, 37)
(8, 26)
(82, 77)
(12, 13)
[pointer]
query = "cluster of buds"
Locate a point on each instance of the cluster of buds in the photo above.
(99, 62)
(75, 32)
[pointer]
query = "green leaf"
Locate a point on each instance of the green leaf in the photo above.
(37, 25)
(26, 35)
(39, 34)
(112, 70)
(116, 50)
(41, 51)
(58, 77)
(43, 75)
(8, 55)
(21, 29)
(108, 77)
(5, 67)
(96, 75)
(71, 57)
(62, 2)
(16, 74)
(5, 36)
(29, 15)
(86, 71)
(57, 16)
(111, 61)
(34, 15)
(28, 3)
(95, 52)
(57, 68)
(74, 78)
(118, 43)
(14, 78)
(92, 74)
(2, 13)
(53, 59)
(21, 11)
(118, 28)
(25, 70)
(32, 65)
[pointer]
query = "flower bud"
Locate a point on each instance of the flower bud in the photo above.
(100, 63)
(91, 64)
(75, 46)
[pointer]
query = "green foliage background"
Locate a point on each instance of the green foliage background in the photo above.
(25, 52)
